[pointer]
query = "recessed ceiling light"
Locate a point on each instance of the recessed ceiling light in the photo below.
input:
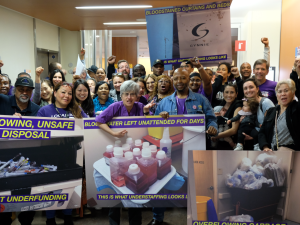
(115, 7)
(126, 23)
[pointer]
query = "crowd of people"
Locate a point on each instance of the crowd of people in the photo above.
(242, 111)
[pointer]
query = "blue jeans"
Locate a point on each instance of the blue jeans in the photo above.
(158, 213)
(51, 213)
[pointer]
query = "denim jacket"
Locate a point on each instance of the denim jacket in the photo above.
(195, 104)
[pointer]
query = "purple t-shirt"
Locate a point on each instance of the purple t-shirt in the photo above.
(50, 111)
(181, 109)
(268, 90)
(119, 109)
(202, 92)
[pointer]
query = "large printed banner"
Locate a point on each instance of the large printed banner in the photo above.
(147, 167)
(41, 163)
(181, 32)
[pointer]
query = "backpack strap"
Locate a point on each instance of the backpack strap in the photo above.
(260, 104)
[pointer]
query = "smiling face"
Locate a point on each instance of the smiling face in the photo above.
(23, 94)
(4, 85)
(284, 95)
(181, 80)
(229, 94)
(92, 85)
(245, 70)
(103, 92)
(117, 82)
(124, 69)
(250, 90)
(81, 92)
(57, 78)
(163, 86)
(261, 72)
(100, 75)
(63, 96)
(46, 91)
(158, 69)
(129, 98)
(195, 83)
(139, 71)
(142, 89)
(150, 83)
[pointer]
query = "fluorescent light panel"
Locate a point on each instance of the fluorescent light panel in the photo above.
(115, 7)
(126, 23)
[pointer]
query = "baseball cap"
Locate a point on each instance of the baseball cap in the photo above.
(24, 81)
(158, 61)
(93, 69)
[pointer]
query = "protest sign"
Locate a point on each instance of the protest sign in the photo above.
(153, 181)
(181, 32)
(41, 163)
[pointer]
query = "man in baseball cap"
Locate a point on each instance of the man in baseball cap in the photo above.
(19, 104)
(158, 67)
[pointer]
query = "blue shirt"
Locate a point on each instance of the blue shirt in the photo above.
(99, 107)
(195, 104)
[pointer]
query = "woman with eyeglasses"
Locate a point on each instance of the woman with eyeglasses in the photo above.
(127, 107)
(151, 85)
(117, 80)
(140, 98)
(164, 89)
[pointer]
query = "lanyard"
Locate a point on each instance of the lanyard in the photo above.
(67, 113)
(183, 107)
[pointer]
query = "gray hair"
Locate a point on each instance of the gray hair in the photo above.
(289, 82)
(129, 86)
(92, 80)
(260, 62)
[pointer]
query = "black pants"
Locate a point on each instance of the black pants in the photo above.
(25, 218)
(247, 129)
(134, 216)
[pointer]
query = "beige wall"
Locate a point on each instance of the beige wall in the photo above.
(70, 48)
(290, 36)
(16, 45)
(46, 36)
(145, 61)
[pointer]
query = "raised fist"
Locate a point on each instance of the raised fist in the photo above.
(265, 41)
(82, 53)
(111, 59)
(39, 70)
(235, 72)
(195, 62)
(1, 63)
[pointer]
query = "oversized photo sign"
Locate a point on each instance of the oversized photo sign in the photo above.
(181, 32)
(41, 162)
(147, 167)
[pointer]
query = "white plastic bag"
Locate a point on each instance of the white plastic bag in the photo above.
(246, 164)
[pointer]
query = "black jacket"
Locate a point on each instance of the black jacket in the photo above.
(294, 77)
(240, 83)
(266, 132)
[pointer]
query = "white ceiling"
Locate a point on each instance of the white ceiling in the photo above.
(238, 9)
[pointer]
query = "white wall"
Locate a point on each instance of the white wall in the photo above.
(16, 43)
(70, 48)
(46, 35)
(254, 26)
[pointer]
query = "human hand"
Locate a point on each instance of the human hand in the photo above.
(18, 115)
(164, 115)
(106, 80)
(82, 53)
(111, 59)
(148, 106)
(212, 131)
(119, 134)
(171, 72)
(228, 122)
(217, 114)
(265, 41)
(195, 63)
(266, 149)
(39, 70)
(214, 139)
(241, 119)
(247, 137)
(1, 63)
(235, 71)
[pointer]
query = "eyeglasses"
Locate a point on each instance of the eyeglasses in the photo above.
(152, 82)
(124, 67)
(129, 94)
(164, 82)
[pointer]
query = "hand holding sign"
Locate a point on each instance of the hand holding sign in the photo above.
(39, 70)
(164, 115)
(119, 134)
(265, 41)
(212, 131)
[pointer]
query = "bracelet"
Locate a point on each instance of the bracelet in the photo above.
(147, 113)
(201, 67)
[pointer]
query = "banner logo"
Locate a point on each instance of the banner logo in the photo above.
(195, 33)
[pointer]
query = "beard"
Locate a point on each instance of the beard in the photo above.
(23, 100)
